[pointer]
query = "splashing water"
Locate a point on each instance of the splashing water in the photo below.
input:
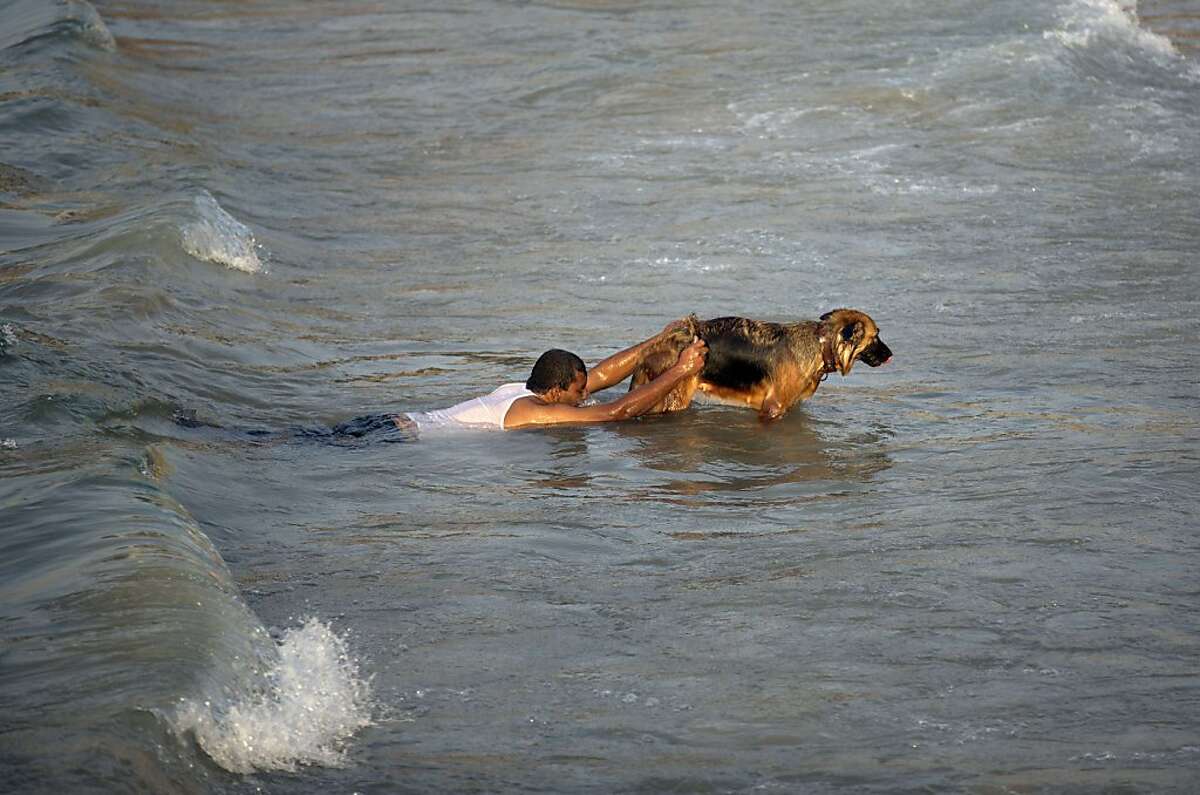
(315, 701)
(1089, 22)
(216, 236)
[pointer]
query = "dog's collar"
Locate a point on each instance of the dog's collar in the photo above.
(828, 362)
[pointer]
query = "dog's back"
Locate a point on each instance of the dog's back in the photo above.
(741, 352)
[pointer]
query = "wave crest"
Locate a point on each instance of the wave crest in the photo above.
(26, 22)
(315, 700)
(216, 236)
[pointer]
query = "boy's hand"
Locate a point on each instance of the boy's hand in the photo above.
(691, 358)
(675, 325)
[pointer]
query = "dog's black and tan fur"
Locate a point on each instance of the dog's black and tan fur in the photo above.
(768, 367)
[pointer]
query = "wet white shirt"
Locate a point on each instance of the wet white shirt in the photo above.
(482, 412)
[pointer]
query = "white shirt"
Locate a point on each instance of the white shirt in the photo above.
(486, 412)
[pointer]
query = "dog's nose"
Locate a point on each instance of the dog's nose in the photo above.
(877, 354)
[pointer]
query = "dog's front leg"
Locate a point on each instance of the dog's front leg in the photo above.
(771, 409)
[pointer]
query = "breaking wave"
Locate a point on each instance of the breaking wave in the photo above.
(314, 701)
(1107, 23)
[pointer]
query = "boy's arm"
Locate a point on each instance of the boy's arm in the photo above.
(616, 368)
(528, 411)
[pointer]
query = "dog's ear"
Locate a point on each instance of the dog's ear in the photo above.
(850, 337)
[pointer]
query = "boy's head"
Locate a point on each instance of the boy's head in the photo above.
(559, 376)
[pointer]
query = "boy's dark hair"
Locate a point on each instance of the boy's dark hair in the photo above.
(554, 368)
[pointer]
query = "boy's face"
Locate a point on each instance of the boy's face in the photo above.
(576, 393)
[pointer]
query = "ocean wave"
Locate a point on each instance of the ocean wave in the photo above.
(314, 701)
(36, 19)
(216, 236)
(166, 229)
(114, 598)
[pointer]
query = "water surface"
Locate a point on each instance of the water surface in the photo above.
(971, 570)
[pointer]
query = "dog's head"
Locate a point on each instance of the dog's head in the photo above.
(854, 336)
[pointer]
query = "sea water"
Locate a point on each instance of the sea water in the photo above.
(974, 569)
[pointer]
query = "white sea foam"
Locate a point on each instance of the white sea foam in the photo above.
(316, 699)
(1088, 23)
(8, 337)
(687, 265)
(216, 236)
(776, 123)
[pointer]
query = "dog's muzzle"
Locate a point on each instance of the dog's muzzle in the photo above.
(875, 354)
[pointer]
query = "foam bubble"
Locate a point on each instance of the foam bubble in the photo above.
(315, 700)
(216, 236)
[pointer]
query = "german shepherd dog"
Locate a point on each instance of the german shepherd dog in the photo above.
(768, 367)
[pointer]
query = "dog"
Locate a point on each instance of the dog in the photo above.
(768, 367)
